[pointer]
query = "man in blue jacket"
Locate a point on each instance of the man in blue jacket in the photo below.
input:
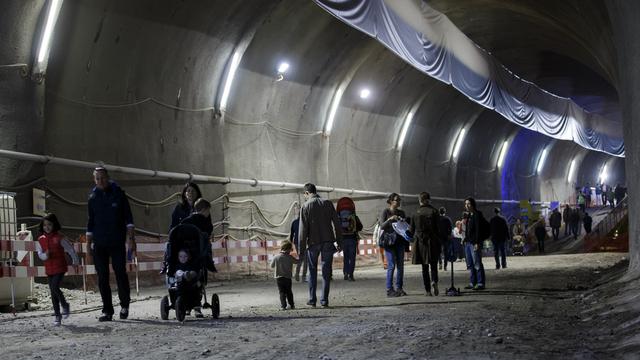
(110, 232)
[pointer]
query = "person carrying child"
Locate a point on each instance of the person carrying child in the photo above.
(283, 265)
(51, 248)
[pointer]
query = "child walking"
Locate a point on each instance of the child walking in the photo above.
(51, 247)
(283, 264)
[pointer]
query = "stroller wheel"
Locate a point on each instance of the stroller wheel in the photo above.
(180, 309)
(215, 306)
(164, 308)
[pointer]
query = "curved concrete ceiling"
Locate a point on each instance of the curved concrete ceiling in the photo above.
(108, 57)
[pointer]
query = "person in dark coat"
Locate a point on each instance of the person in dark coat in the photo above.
(555, 221)
(445, 228)
(619, 193)
(574, 221)
(201, 217)
(319, 229)
(587, 221)
(473, 245)
(499, 237)
(110, 236)
(190, 194)
(426, 248)
(566, 214)
(541, 233)
(188, 197)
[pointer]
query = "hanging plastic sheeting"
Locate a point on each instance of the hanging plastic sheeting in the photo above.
(430, 42)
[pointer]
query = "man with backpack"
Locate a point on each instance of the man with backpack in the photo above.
(478, 229)
(351, 225)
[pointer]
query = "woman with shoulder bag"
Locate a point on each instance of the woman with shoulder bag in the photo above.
(393, 245)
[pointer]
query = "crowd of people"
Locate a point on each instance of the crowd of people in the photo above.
(318, 232)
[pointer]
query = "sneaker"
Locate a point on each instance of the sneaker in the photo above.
(283, 308)
(469, 287)
(198, 313)
(66, 311)
(311, 303)
(435, 288)
(57, 321)
(351, 278)
(478, 287)
(429, 293)
(392, 293)
(324, 305)
(401, 292)
(105, 317)
(346, 276)
(124, 313)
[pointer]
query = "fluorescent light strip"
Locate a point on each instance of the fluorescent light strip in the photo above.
(571, 168)
(541, 160)
(459, 140)
(603, 174)
(52, 17)
(503, 152)
(332, 111)
(235, 61)
(405, 129)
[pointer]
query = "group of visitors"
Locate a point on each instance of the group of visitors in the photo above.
(600, 195)
(318, 233)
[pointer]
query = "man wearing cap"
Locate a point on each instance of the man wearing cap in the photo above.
(499, 237)
(110, 232)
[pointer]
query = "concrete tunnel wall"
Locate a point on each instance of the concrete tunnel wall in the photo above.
(117, 52)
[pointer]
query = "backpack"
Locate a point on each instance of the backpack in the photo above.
(348, 222)
(485, 228)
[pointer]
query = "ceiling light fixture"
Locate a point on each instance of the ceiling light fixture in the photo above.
(459, 140)
(405, 129)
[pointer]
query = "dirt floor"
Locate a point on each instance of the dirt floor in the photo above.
(540, 307)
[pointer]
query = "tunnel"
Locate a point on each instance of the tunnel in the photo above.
(253, 99)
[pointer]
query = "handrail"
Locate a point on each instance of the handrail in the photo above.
(610, 221)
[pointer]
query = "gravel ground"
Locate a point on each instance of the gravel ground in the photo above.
(541, 307)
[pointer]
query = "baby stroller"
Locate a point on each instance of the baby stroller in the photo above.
(518, 245)
(186, 295)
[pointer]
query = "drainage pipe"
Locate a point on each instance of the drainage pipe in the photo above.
(48, 159)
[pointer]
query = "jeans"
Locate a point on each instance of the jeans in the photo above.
(325, 251)
(101, 255)
(284, 288)
(395, 259)
(499, 253)
(555, 231)
(474, 264)
(349, 246)
(57, 298)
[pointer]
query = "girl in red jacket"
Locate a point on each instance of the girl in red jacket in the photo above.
(51, 249)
